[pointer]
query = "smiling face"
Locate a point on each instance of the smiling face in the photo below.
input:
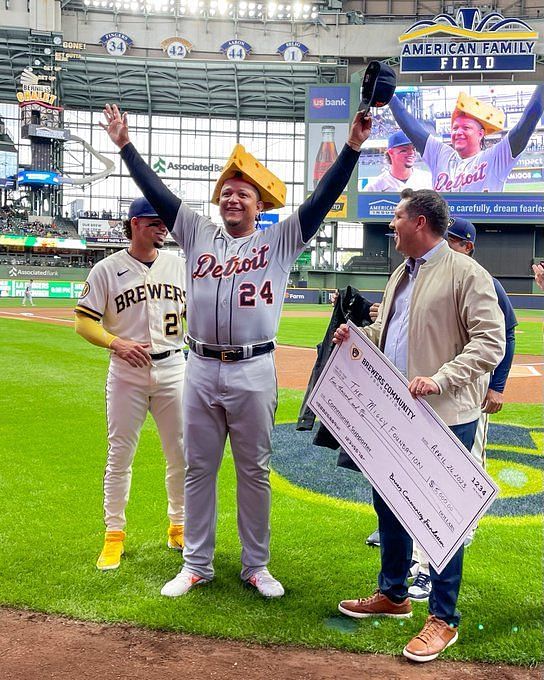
(239, 205)
(466, 136)
(148, 232)
(405, 229)
(460, 245)
(402, 157)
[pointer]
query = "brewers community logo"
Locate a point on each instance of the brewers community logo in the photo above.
(355, 353)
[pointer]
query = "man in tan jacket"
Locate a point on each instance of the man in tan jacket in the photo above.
(441, 326)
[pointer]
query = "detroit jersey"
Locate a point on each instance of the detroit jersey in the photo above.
(136, 302)
(419, 179)
(235, 286)
(486, 171)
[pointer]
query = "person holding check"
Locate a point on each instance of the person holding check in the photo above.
(441, 326)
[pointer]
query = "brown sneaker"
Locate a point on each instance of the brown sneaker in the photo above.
(435, 636)
(376, 605)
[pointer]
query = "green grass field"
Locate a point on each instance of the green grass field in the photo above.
(51, 467)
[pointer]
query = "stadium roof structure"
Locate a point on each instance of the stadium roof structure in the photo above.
(272, 90)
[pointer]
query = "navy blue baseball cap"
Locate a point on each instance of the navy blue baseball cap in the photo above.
(398, 139)
(378, 86)
(462, 228)
(141, 207)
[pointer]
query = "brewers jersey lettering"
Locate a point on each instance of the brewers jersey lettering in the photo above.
(146, 305)
(137, 302)
(486, 171)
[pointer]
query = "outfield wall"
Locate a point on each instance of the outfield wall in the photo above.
(323, 296)
(41, 289)
(307, 296)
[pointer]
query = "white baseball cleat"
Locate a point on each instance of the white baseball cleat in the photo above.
(182, 584)
(266, 584)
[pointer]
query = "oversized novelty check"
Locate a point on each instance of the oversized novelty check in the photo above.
(430, 481)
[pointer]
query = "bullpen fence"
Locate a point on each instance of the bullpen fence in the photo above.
(308, 296)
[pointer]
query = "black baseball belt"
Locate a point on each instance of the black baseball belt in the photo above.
(230, 353)
(164, 355)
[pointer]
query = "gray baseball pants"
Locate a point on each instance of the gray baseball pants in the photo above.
(238, 399)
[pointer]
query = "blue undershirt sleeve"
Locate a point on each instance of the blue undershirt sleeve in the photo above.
(500, 374)
(520, 134)
(409, 125)
(314, 209)
(165, 202)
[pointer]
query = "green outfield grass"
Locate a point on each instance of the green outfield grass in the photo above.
(51, 467)
(309, 331)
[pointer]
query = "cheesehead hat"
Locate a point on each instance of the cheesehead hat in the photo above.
(489, 117)
(242, 164)
(378, 86)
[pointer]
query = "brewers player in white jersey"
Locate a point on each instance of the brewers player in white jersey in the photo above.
(466, 165)
(236, 280)
(133, 303)
(400, 172)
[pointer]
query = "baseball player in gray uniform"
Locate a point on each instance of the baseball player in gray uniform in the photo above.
(466, 165)
(132, 303)
(236, 280)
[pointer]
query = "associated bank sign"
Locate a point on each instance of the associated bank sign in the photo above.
(163, 167)
(468, 43)
(326, 103)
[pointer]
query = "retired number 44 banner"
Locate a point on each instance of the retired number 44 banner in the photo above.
(427, 477)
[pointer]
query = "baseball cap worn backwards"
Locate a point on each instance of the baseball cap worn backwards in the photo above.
(141, 207)
(462, 228)
(378, 86)
(242, 164)
(398, 139)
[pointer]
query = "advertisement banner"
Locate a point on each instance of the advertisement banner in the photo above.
(42, 242)
(302, 295)
(101, 231)
(329, 102)
(34, 272)
(41, 289)
(474, 207)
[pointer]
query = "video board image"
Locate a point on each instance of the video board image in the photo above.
(456, 138)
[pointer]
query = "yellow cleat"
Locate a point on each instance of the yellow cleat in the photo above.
(110, 557)
(175, 536)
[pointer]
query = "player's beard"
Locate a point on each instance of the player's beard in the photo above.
(158, 245)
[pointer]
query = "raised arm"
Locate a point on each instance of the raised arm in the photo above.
(165, 202)
(520, 134)
(409, 125)
(314, 209)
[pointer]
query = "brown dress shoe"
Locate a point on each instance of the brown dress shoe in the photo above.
(376, 605)
(435, 636)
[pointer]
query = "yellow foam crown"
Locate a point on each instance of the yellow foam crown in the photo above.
(272, 190)
(491, 118)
